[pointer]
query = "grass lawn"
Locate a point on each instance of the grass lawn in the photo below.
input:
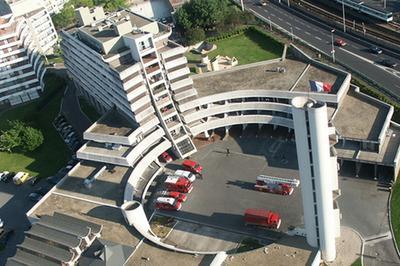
(248, 47)
(53, 153)
(89, 110)
(357, 262)
(395, 209)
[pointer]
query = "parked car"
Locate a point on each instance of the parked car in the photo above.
(175, 194)
(165, 157)
(34, 180)
(20, 178)
(35, 197)
(340, 42)
(375, 50)
(192, 166)
(53, 180)
(3, 175)
(388, 63)
(168, 204)
(7, 178)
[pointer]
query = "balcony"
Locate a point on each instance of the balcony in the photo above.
(181, 83)
(178, 73)
(177, 62)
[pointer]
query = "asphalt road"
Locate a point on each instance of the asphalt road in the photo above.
(354, 55)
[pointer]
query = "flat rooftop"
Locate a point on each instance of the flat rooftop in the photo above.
(114, 225)
(289, 250)
(386, 156)
(107, 33)
(360, 117)
(264, 76)
(99, 148)
(108, 188)
(113, 123)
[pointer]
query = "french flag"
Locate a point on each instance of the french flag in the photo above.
(319, 86)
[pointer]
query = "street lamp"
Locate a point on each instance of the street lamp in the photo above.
(333, 47)
(270, 23)
(288, 3)
(344, 18)
(291, 31)
(241, 3)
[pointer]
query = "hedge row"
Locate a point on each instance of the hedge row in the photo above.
(228, 34)
(368, 90)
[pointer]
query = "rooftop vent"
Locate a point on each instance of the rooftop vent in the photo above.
(118, 14)
(93, 24)
(127, 18)
(99, 28)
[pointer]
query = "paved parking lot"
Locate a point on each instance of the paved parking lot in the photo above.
(13, 206)
(227, 187)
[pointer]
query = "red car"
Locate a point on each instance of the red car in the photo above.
(340, 42)
(192, 166)
(168, 204)
(181, 197)
(165, 157)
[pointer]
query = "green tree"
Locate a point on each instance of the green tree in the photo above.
(9, 140)
(206, 13)
(183, 20)
(111, 5)
(31, 139)
(65, 18)
(195, 35)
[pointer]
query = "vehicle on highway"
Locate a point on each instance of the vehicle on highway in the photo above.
(177, 183)
(165, 157)
(168, 204)
(261, 217)
(20, 178)
(388, 63)
(189, 175)
(1, 223)
(174, 194)
(192, 166)
(375, 50)
(35, 197)
(7, 178)
(262, 2)
(340, 42)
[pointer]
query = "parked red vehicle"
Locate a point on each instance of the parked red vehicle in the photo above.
(277, 185)
(178, 183)
(181, 197)
(168, 204)
(192, 166)
(165, 157)
(262, 217)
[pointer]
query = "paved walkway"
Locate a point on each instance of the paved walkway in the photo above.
(71, 110)
(348, 247)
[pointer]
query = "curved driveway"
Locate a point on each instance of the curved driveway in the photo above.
(355, 55)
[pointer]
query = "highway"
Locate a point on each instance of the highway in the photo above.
(354, 55)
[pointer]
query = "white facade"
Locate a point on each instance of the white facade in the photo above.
(25, 35)
(119, 62)
(318, 171)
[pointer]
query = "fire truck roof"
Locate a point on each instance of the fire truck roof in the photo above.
(166, 200)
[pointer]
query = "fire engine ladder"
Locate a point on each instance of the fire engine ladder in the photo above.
(272, 179)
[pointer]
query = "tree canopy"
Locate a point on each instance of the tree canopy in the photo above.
(20, 136)
(66, 16)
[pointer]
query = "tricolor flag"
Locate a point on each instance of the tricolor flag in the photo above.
(319, 86)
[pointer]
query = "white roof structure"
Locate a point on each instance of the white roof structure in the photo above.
(166, 200)
(281, 180)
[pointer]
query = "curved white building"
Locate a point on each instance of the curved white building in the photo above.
(127, 67)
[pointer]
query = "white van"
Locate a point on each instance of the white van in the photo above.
(190, 176)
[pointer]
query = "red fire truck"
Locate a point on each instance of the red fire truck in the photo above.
(262, 217)
(192, 166)
(169, 204)
(181, 197)
(277, 185)
(178, 183)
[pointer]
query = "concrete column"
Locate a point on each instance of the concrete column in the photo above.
(375, 171)
(275, 127)
(358, 167)
(244, 127)
(206, 135)
(260, 126)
